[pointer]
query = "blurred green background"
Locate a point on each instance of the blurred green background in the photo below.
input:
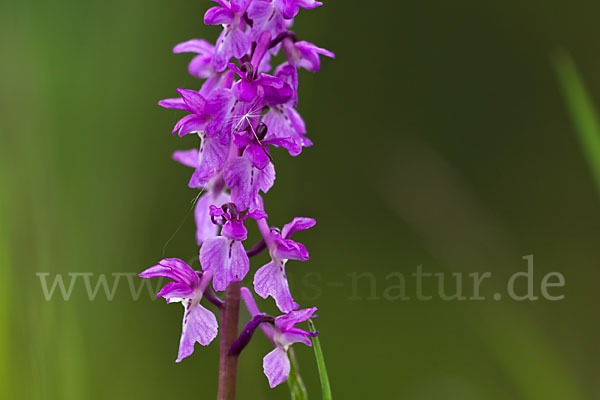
(441, 139)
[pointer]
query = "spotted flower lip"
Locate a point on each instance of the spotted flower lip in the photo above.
(246, 180)
(199, 324)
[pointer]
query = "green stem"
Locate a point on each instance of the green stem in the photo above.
(229, 332)
(325, 386)
(295, 383)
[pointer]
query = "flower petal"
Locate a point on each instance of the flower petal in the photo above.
(309, 55)
(199, 46)
(194, 100)
(239, 5)
(218, 16)
(258, 155)
(211, 158)
(227, 258)
(270, 280)
(256, 214)
(159, 271)
(276, 366)
(245, 180)
(292, 337)
(172, 268)
(175, 103)
(190, 123)
(284, 122)
(222, 105)
(205, 229)
(189, 158)
(182, 270)
(265, 17)
(262, 45)
(201, 67)
(199, 325)
(174, 291)
(235, 230)
(287, 321)
(232, 42)
(287, 249)
(245, 91)
(293, 147)
(297, 224)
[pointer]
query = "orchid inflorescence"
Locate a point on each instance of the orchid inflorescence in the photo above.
(239, 112)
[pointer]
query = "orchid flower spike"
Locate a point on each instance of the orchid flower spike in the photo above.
(244, 108)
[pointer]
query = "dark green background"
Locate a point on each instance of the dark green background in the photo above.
(440, 137)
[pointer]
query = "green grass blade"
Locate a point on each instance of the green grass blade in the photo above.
(582, 111)
(6, 317)
(295, 383)
(325, 386)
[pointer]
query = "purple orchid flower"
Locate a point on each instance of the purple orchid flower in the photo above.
(289, 8)
(276, 364)
(257, 144)
(274, 16)
(209, 115)
(282, 120)
(199, 324)
(225, 255)
(270, 279)
(233, 41)
(304, 54)
(201, 65)
(206, 161)
(205, 177)
(254, 84)
(245, 180)
(205, 229)
(266, 16)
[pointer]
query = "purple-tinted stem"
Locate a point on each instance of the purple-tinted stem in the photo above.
(265, 231)
(252, 308)
(257, 248)
(229, 324)
(244, 338)
(282, 36)
(213, 298)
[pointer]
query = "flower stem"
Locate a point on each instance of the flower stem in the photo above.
(229, 332)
